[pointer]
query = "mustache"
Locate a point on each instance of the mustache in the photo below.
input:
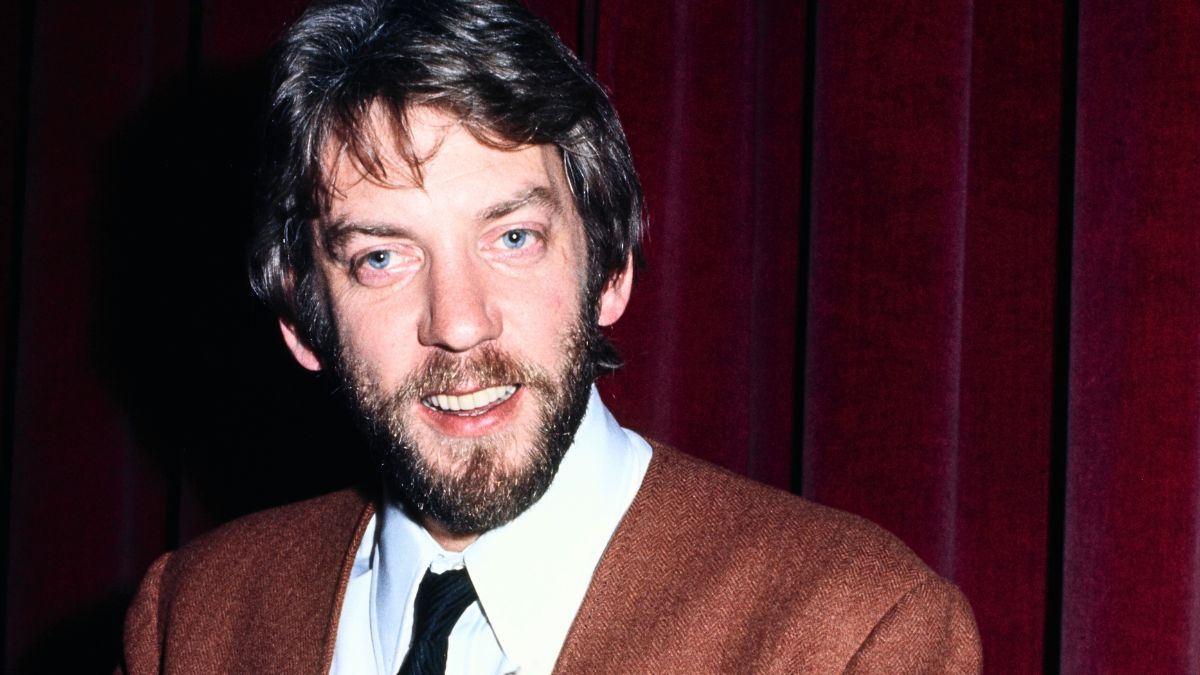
(488, 366)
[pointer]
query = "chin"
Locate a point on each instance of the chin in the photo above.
(473, 470)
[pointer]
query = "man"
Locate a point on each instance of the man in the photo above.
(451, 216)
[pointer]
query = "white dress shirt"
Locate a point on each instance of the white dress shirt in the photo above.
(531, 574)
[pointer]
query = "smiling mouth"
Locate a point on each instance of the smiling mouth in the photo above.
(470, 404)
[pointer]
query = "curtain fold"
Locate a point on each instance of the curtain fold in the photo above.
(716, 139)
(892, 97)
(1012, 322)
(1133, 469)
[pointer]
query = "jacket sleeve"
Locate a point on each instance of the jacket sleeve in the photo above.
(929, 630)
(143, 625)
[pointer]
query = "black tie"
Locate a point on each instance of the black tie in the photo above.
(441, 599)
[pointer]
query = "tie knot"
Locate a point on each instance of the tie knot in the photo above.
(443, 595)
(441, 600)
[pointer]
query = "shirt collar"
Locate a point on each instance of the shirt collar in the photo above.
(531, 574)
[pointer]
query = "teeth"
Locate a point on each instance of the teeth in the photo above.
(468, 402)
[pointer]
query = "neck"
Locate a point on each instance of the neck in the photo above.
(455, 543)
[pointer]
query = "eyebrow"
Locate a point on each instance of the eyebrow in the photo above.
(336, 231)
(539, 195)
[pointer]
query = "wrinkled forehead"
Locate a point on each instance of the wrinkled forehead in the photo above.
(394, 147)
(434, 168)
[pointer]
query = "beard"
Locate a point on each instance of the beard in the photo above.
(471, 485)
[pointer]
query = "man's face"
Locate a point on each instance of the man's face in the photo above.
(458, 303)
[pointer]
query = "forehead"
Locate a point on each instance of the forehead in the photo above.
(433, 156)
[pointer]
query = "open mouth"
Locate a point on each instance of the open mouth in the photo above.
(472, 403)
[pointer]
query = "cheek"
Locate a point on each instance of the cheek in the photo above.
(377, 338)
(540, 329)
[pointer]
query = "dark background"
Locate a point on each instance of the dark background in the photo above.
(936, 262)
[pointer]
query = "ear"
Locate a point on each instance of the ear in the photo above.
(304, 355)
(615, 295)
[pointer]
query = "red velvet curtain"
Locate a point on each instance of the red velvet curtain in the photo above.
(934, 262)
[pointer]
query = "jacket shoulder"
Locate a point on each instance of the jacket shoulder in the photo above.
(281, 535)
(770, 528)
(749, 578)
(259, 594)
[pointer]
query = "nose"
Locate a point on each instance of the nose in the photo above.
(460, 314)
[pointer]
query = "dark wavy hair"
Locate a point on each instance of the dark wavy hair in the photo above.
(489, 63)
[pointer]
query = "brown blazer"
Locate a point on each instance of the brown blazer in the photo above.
(708, 572)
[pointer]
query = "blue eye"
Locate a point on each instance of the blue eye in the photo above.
(379, 259)
(515, 239)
